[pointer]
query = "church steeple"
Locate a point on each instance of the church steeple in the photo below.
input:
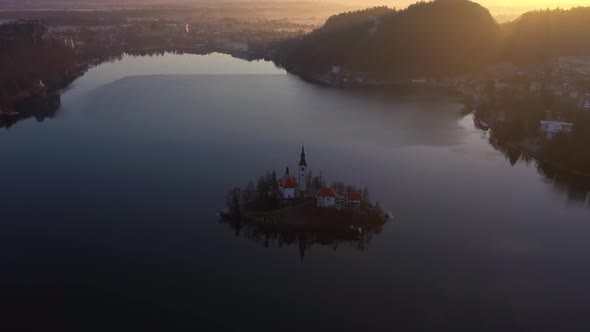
(302, 162)
(287, 171)
(302, 171)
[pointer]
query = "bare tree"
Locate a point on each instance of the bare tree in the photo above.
(366, 196)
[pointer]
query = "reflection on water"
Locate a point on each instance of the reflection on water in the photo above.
(575, 188)
(39, 108)
(439, 128)
(354, 237)
(111, 208)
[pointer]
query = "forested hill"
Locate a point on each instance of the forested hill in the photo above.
(436, 38)
(542, 35)
(427, 38)
(29, 54)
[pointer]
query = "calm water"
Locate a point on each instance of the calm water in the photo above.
(109, 210)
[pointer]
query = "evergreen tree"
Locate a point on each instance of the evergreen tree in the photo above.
(234, 202)
(249, 193)
(275, 196)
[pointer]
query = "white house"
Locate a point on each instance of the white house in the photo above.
(287, 185)
(552, 128)
(326, 197)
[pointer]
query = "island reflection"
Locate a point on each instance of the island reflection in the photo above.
(304, 240)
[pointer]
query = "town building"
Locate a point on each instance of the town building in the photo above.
(326, 198)
(287, 185)
(354, 199)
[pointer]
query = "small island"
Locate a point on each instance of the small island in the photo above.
(303, 202)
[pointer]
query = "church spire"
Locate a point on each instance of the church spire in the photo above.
(302, 162)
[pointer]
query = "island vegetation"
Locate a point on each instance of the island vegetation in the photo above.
(303, 204)
(266, 195)
(261, 213)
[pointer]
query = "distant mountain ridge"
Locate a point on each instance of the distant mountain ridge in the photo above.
(545, 34)
(436, 38)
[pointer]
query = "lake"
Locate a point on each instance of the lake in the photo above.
(109, 209)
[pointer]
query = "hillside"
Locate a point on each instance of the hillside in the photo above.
(29, 54)
(428, 38)
(542, 35)
(436, 38)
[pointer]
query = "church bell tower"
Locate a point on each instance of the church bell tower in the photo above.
(302, 171)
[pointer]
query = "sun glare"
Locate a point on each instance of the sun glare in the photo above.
(503, 6)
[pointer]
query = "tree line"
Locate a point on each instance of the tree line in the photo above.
(265, 194)
(30, 55)
(436, 38)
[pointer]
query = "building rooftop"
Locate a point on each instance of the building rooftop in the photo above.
(288, 182)
(326, 192)
(354, 196)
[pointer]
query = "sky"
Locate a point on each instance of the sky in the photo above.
(502, 6)
(502, 9)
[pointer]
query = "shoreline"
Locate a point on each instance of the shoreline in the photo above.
(308, 218)
(535, 155)
(80, 69)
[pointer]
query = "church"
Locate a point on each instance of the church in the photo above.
(291, 188)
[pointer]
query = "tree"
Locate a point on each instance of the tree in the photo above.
(317, 182)
(340, 187)
(249, 193)
(366, 197)
(275, 192)
(234, 202)
(435, 38)
(261, 192)
(308, 179)
(351, 189)
(378, 206)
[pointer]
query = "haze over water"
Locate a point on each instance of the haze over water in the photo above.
(109, 209)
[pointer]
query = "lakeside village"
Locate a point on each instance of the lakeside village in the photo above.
(70, 46)
(300, 201)
(542, 110)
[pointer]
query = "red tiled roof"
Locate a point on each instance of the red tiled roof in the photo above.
(354, 197)
(326, 192)
(284, 179)
(289, 182)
